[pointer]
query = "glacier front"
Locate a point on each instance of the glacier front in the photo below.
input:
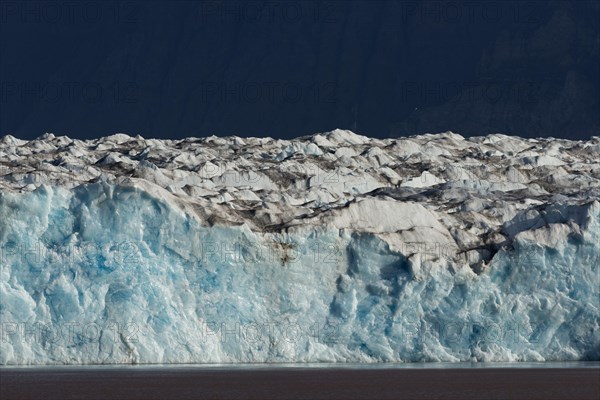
(333, 247)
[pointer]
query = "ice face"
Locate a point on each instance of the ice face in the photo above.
(167, 266)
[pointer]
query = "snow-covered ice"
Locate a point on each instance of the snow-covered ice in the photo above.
(333, 247)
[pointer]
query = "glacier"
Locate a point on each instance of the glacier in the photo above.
(333, 247)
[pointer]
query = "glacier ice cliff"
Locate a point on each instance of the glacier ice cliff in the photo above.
(327, 248)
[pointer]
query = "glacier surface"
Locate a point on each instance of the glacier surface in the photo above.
(333, 247)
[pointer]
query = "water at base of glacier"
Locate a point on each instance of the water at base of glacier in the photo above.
(301, 366)
(548, 381)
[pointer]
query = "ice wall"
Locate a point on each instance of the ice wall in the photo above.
(116, 273)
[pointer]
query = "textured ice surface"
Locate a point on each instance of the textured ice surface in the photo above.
(329, 248)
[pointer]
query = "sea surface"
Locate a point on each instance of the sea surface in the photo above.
(580, 380)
